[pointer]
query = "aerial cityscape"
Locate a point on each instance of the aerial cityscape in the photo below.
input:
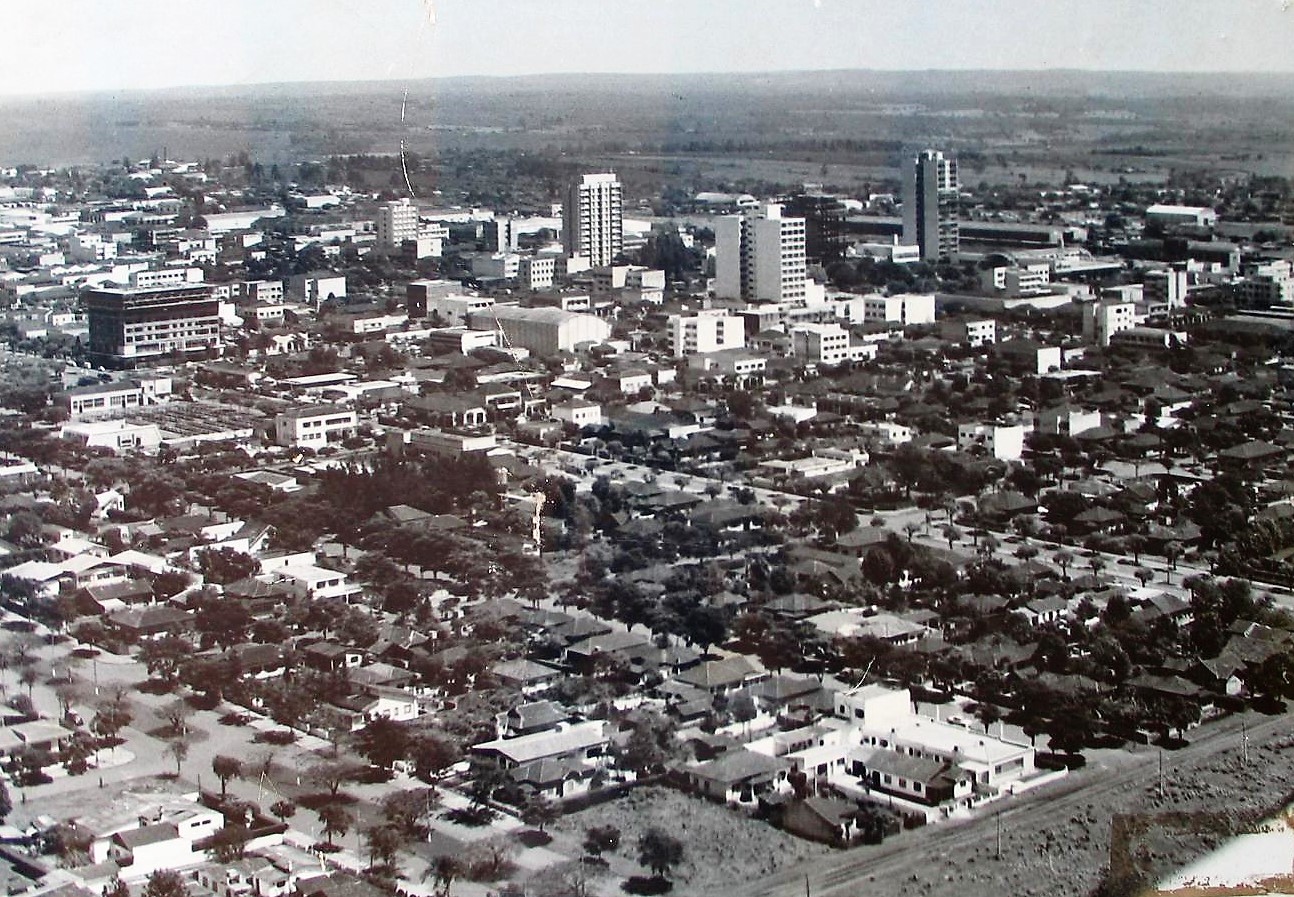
(689, 473)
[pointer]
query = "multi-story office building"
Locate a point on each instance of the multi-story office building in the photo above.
(315, 426)
(1104, 318)
(1166, 290)
(127, 325)
(536, 272)
(828, 344)
(930, 199)
(593, 219)
(317, 287)
(759, 256)
(824, 226)
(396, 222)
(705, 332)
(419, 293)
(1266, 283)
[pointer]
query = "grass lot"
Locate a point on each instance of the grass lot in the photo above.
(723, 846)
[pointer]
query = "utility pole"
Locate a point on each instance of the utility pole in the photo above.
(998, 816)
(1244, 742)
(1161, 773)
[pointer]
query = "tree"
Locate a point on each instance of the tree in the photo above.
(431, 756)
(165, 883)
(223, 622)
(705, 625)
(226, 768)
(6, 802)
(1063, 559)
(600, 839)
(445, 870)
(223, 566)
(408, 809)
(283, 809)
(68, 694)
(742, 708)
(336, 820)
(112, 717)
(384, 842)
(179, 751)
(332, 774)
(384, 742)
(952, 534)
(230, 843)
(177, 715)
(163, 657)
(659, 851)
(1172, 551)
(29, 677)
(539, 812)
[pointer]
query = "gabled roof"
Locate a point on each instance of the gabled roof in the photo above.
(147, 834)
(543, 745)
(736, 766)
(724, 673)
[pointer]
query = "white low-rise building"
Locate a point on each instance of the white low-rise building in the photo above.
(315, 426)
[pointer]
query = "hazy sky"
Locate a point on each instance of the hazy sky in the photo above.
(58, 45)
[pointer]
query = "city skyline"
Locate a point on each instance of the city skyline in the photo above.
(163, 45)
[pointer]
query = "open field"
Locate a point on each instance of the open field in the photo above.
(1035, 124)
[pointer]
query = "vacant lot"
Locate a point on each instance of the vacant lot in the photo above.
(723, 846)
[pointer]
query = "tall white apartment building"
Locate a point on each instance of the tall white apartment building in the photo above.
(930, 201)
(593, 219)
(396, 222)
(759, 256)
(708, 331)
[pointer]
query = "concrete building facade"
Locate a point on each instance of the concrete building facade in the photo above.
(593, 219)
(709, 331)
(930, 205)
(134, 325)
(760, 256)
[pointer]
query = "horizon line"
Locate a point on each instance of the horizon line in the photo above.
(251, 85)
